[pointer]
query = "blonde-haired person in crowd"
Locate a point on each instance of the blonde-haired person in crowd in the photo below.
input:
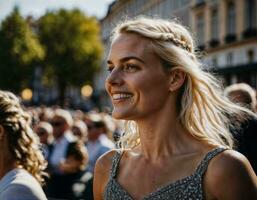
(21, 161)
(245, 133)
(79, 130)
(44, 131)
(243, 94)
(177, 144)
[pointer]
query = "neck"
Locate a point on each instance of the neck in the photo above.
(59, 138)
(162, 135)
(6, 165)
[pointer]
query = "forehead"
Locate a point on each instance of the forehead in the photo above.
(129, 44)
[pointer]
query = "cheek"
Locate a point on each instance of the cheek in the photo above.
(153, 94)
(107, 88)
(153, 87)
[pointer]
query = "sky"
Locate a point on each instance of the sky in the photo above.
(36, 8)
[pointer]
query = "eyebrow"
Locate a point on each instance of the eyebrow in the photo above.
(127, 59)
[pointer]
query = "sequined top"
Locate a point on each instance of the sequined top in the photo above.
(188, 188)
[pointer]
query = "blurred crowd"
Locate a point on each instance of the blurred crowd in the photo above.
(71, 142)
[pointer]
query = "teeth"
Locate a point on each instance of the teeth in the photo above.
(121, 96)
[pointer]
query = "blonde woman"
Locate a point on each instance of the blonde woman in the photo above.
(177, 145)
(21, 161)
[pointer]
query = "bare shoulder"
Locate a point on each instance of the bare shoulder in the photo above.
(102, 173)
(229, 176)
(229, 161)
(105, 161)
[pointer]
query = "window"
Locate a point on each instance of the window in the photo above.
(175, 4)
(214, 25)
(250, 56)
(229, 59)
(231, 18)
(250, 14)
(199, 1)
(200, 29)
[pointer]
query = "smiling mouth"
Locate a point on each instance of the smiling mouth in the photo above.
(121, 96)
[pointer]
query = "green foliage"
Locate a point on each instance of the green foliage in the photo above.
(20, 52)
(73, 46)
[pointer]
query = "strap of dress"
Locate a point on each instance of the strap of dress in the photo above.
(115, 162)
(202, 167)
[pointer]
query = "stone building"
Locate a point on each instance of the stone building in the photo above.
(226, 31)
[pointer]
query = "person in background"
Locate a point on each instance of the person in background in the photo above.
(63, 137)
(62, 122)
(177, 144)
(244, 131)
(44, 131)
(45, 114)
(102, 128)
(79, 130)
(242, 94)
(22, 164)
(78, 182)
(98, 143)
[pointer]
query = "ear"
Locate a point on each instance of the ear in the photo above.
(177, 78)
(1, 132)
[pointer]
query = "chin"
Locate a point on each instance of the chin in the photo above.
(117, 115)
(121, 115)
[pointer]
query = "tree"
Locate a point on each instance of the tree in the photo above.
(73, 47)
(20, 52)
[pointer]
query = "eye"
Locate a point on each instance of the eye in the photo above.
(130, 67)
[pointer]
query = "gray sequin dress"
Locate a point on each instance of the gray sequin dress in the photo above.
(188, 188)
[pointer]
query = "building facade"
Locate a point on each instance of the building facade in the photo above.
(225, 30)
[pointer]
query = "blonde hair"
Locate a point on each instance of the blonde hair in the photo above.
(64, 114)
(202, 108)
(22, 142)
(246, 91)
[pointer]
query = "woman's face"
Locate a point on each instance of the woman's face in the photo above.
(42, 134)
(137, 83)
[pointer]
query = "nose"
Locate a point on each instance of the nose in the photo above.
(114, 78)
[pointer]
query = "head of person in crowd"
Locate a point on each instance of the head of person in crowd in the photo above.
(79, 129)
(45, 113)
(77, 158)
(32, 111)
(195, 95)
(62, 121)
(243, 94)
(78, 115)
(19, 145)
(44, 131)
(93, 133)
(95, 129)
